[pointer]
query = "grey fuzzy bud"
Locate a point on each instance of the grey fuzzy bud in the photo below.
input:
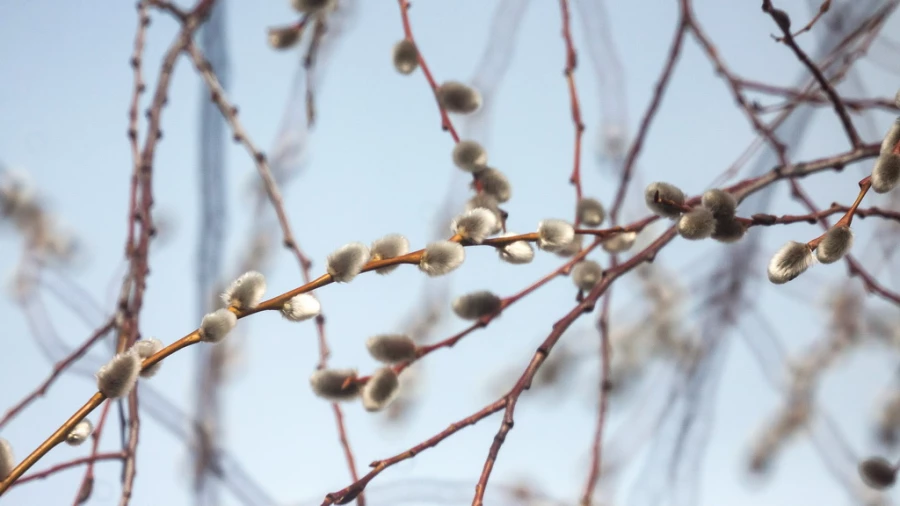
(283, 37)
(147, 348)
(312, 6)
(347, 261)
(494, 183)
(391, 348)
(469, 156)
(485, 201)
(475, 305)
(381, 389)
(554, 235)
(721, 203)
(456, 97)
(389, 246)
(475, 225)
(590, 212)
(877, 473)
(405, 56)
(7, 459)
(619, 243)
(301, 307)
(118, 376)
(789, 262)
(729, 230)
(518, 252)
(697, 224)
(671, 198)
(216, 325)
(80, 433)
(573, 248)
(891, 138)
(886, 172)
(335, 384)
(441, 257)
(586, 274)
(836, 243)
(246, 291)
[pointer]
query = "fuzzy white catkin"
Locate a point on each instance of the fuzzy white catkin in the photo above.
(389, 246)
(586, 274)
(391, 348)
(459, 98)
(891, 138)
(518, 252)
(697, 224)
(442, 257)
(554, 235)
(475, 305)
(347, 261)
(246, 291)
(886, 173)
(475, 225)
(469, 156)
(721, 203)
(671, 198)
(7, 459)
(877, 473)
(216, 325)
(729, 230)
(836, 243)
(573, 248)
(405, 57)
(146, 348)
(312, 6)
(590, 212)
(118, 376)
(619, 243)
(485, 201)
(301, 307)
(381, 389)
(335, 384)
(494, 183)
(80, 433)
(789, 262)
(283, 37)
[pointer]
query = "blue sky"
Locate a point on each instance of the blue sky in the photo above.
(377, 163)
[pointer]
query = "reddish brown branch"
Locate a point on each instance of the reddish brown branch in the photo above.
(571, 64)
(40, 475)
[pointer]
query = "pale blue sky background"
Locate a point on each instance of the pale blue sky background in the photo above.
(377, 164)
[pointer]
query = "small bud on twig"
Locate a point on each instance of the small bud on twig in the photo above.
(118, 376)
(391, 348)
(283, 37)
(147, 348)
(301, 307)
(405, 57)
(664, 199)
(721, 203)
(494, 183)
(216, 325)
(590, 212)
(877, 473)
(475, 305)
(7, 459)
(347, 261)
(335, 384)
(554, 235)
(469, 156)
(697, 224)
(836, 243)
(246, 291)
(475, 225)
(381, 389)
(586, 274)
(441, 257)
(729, 230)
(389, 246)
(518, 252)
(789, 262)
(80, 433)
(456, 97)
(619, 243)
(886, 172)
